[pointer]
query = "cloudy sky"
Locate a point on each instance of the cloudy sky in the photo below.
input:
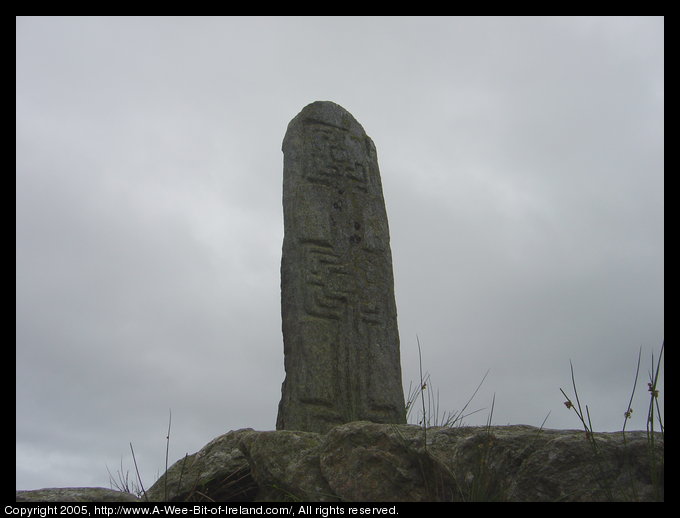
(522, 167)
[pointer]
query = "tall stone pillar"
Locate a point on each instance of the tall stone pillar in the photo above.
(341, 342)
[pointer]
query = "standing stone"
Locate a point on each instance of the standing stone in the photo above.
(340, 336)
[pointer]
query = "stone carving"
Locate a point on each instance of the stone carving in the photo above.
(341, 342)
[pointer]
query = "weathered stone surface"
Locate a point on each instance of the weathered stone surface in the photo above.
(74, 494)
(363, 461)
(219, 471)
(523, 463)
(286, 466)
(339, 318)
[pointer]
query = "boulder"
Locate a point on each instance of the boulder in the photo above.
(363, 461)
(218, 472)
(74, 494)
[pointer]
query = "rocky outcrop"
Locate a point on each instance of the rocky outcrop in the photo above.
(74, 494)
(363, 462)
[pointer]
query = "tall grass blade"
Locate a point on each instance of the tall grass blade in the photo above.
(139, 478)
(167, 451)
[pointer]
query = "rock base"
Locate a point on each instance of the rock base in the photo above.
(364, 462)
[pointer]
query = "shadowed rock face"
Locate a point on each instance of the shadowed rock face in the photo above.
(362, 462)
(341, 341)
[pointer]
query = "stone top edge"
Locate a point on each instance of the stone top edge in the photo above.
(462, 429)
(326, 113)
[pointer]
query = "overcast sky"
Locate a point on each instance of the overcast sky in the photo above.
(522, 167)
